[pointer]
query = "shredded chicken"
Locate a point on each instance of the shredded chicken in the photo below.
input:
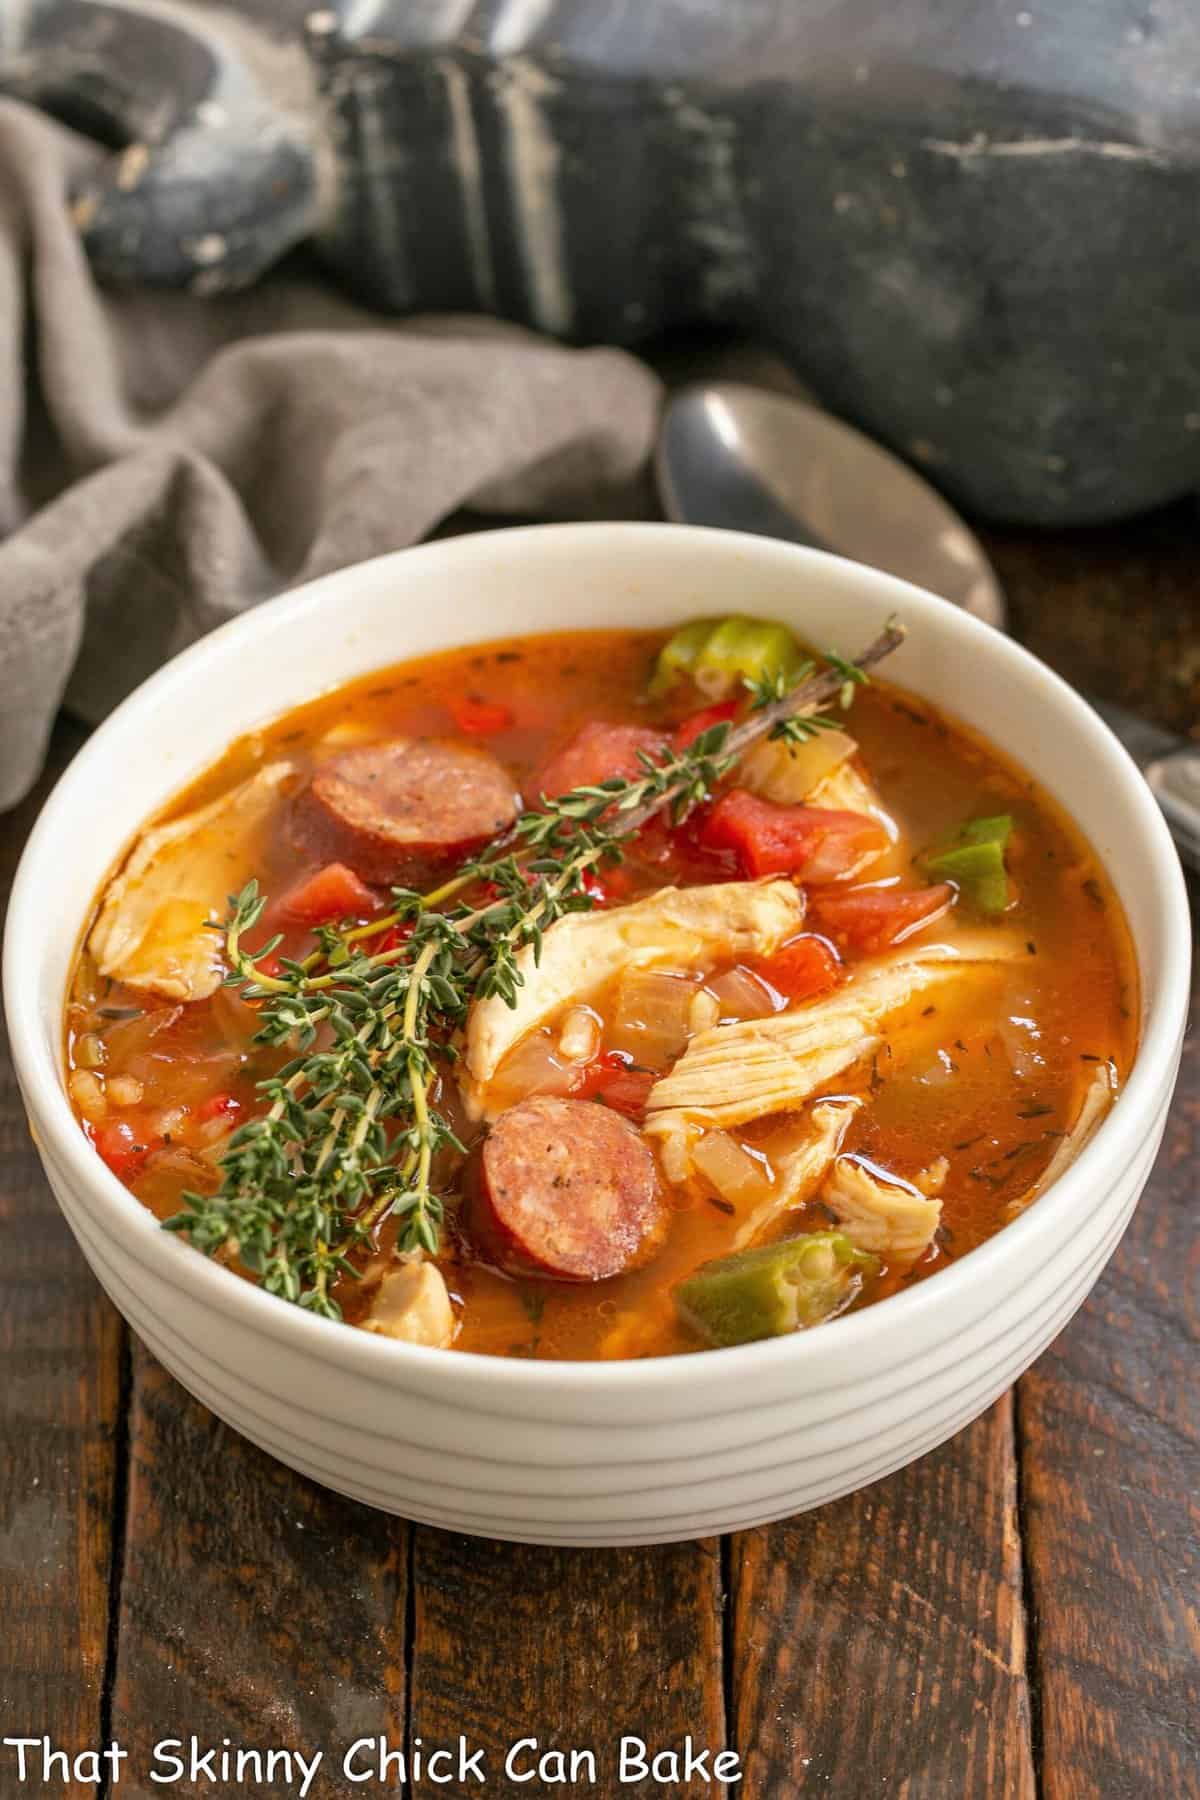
(1095, 1108)
(691, 928)
(152, 928)
(413, 1305)
(735, 1073)
(800, 1169)
(879, 1212)
(848, 789)
(749, 1070)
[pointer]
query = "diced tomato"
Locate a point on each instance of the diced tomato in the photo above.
(391, 939)
(869, 919)
(620, 880)
(614, 1081)
(596, 890)
(814, 842)
(801, 969)
(613, 1062)
(123, 1149)
(597, 753)
(685, 734)
(613, 884)
(628, 1092)
(334, 892)
(479, 718)
(270, 966)
(218, 1106)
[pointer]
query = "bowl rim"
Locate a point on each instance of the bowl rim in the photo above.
(387, 1361)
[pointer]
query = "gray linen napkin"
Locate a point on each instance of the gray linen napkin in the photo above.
(167, 461)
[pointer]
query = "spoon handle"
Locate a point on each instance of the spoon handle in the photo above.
(1170, 764)
(1175, 780)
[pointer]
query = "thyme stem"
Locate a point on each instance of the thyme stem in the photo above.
(351, 1131)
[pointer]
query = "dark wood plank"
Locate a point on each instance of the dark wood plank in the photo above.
(575, 1647)
(879, 1643)
(1110, 1448)
(1113, 609)
(60, 1355)
(1107, 1418)
(255, 1606)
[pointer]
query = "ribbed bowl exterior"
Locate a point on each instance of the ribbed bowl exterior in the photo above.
(607, 1454)
(746, 1459)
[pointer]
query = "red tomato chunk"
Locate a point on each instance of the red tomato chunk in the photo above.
(479, 718)
(123, 1149)
(615, 1081)
(870, 919)
(219, 1106)
(704, 720)
(801, 969)
(814, 842)
(334, 892)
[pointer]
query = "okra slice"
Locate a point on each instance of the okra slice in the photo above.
(775, 1289)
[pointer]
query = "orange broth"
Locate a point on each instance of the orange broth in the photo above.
(992, 1084)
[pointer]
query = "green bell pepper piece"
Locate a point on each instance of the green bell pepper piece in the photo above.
(719, 655)
(988, 831)
(975, 863)
(678, 655)
(774, 1290)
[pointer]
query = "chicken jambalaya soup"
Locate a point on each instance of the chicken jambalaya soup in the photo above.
(602, 994)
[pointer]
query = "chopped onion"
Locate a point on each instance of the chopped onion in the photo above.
(741, 995)
(788, 773)
(652, 1017)
(1020, 1034)
(89, 1052)
(168, 1172)
(579, 1035)
(738, 1176)
(130, 1037)
(533, 1067)
(211, 1132)
(192, 1079)
(170, 1121)
(236, 1019)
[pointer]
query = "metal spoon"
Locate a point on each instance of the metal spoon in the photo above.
(750, 460)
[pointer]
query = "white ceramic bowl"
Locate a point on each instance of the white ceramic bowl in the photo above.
(595, 1453)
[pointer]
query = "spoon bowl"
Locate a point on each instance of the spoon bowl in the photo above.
(748, 460)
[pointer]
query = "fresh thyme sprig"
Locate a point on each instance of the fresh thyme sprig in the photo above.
(799, 727)
(352, 1130)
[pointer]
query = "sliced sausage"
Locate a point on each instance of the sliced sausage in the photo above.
(563, 1188)
(598, 752)
(405, 811)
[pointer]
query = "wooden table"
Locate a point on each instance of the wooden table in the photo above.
(1014, 1614)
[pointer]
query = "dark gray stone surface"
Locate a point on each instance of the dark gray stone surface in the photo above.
(970, 225)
